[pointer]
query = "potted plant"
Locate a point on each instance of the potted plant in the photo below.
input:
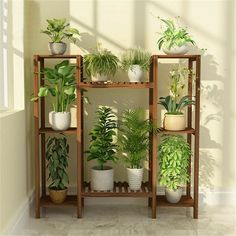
(60, 83)
(173, 153)
(57, 154)
(100, 65)
(174, 104)
(135, 62)
(133, 142)
(102, 149)
(57, 30)
(174, 39)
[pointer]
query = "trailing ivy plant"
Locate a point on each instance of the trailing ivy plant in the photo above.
(60, 83)
(102, 62)
(173, 153)
(135, 56)
(58, 29)
(133, 139)
(173, 35)
(57, 155)
(102, 146)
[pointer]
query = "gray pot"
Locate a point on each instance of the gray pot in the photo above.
(173, 196)
(57, 48)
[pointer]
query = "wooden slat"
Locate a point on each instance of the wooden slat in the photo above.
(50, 130)
(184, 202)
(185, 131)
(174, 56)
(57, 56)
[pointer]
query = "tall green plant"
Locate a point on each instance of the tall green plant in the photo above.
(133, 139)
(60, 83)
(102, 147)
(135, 56)
(173, 35)
(173, 153)
(58, 29)
(57, 155)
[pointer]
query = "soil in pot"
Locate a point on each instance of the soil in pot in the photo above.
(58, 196)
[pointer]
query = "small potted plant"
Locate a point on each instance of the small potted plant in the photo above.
(102, 149)
(57, 154)
(174, 104)
(173, 154)
(174, 39)
(59, 83)
(135, 62)
(58, 30)
(100, 65)
(133, 142)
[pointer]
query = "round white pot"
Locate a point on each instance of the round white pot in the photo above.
(176, 49)
(57, 48)
(102, 180)
(59, 120)
(135, 73)
(99, 78)
(173, 196)
(174, 122)
(135, 177)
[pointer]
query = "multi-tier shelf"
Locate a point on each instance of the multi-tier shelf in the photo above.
(121, 189)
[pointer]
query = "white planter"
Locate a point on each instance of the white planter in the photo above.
(176, 50)
(173, 196)
(102, 180)
(135, 177)
(99, 78)
(174, 122)
(135, 73)
(59, 120)
(57, 48)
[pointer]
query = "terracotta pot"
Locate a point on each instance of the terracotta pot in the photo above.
(174, 122)
(58, 196)
(135, 177)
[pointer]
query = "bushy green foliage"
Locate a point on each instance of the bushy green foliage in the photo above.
(133, 139)
(58, 29)
(57, 154)
(135, 56)
(60, 83)
(102, 147)
(173, 35)
(102, 62)
(173, 155)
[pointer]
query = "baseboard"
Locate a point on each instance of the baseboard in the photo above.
(22, 215)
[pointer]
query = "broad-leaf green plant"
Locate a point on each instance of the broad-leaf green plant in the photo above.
(57, 155)
(58, 29)
(133, 138)
(173, 35)
(173, 154)
(103, 62)
(60, 83)
(135, 56)
(102, 145)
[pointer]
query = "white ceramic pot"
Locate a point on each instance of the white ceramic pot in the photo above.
(102, 180)
(135, 73)
(99, 78)
(174, 122)
(135, 177)
(176, 50)
(59, 120)
(173, 196)
(57, 48)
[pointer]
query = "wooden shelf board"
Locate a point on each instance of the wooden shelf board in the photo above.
(50, 130)
(71, 201)
(121, 189)
(56, 56)
(135, 85)
(186, 131)
(184, 202)
(173, 56)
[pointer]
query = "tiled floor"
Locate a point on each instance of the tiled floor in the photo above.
(133, 220)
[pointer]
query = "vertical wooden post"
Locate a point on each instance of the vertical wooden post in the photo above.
(42, 118)
(79, 138)
(189, 136)
(197, 131)
(36, 140)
